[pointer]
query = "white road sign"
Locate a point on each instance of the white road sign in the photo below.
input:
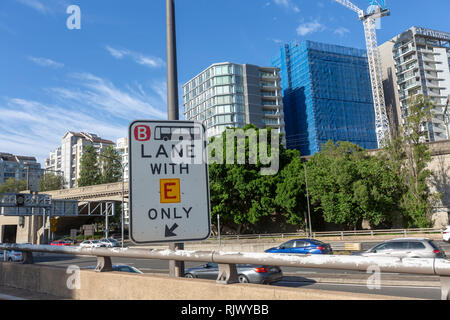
(168, 185)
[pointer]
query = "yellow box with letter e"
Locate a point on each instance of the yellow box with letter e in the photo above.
(170, 190)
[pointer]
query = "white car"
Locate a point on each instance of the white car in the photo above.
(446, 234)
(92, 244)
(110, 243)
(11, 256)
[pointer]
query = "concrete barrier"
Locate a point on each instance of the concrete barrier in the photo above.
(122, 286)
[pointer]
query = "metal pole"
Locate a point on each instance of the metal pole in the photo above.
(172, 77)
(123, 209)
(43, 226)
(176, 268)
(49, 235)
(107, 223)
(218, 229)
(307, 200)
(28, 179)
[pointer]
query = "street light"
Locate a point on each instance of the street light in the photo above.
(307, 200)
(122, 165)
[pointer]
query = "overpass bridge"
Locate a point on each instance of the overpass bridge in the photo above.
(102, 192)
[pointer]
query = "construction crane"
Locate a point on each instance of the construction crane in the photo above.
(377, 10)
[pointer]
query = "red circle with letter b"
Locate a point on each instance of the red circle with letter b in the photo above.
(142, 133)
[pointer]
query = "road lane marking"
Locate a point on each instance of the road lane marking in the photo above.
(359, 285)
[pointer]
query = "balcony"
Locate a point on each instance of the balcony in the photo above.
(428, 59)
(270, 86)
(272, 106)
(273, 114)
(411, 59)
(401, 80)
(268, 76)
(408, 50)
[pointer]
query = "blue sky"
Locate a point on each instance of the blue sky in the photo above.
(113, 70)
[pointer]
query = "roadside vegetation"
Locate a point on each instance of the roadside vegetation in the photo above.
(347, 185)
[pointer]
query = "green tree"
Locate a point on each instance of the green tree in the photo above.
(418, 201)
(291, 191)
(13, 185)
(348, 186)
(90, 173)
(50, 181)
(240, 194)
(111, 165)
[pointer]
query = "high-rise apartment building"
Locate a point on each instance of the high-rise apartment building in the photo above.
(233, 95)
(122, 150)
(70, 153)
(20, 168)
(417, 62)
(53, 162)
(326, 96)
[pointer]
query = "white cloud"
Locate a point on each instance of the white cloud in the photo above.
(90, 104)
(148, 61)
(288, 4)
(309, 27)
(341, 31)
(277, 41)
(36, 5)
(282, 2)
(118, 54)
(44, 62)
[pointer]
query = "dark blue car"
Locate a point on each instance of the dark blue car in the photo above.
(302, 246)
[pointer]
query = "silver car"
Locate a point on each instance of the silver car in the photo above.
(405, 248)
(11, 256)
(110, 243)
(247, 273)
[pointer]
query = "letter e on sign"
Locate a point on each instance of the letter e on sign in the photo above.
(170, 190)
(142, 133)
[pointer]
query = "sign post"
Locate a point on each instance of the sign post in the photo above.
(168, 186)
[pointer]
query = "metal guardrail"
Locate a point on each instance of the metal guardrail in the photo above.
(227, 261)
(341, 234)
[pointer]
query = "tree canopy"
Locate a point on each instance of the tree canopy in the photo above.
(111, 165)
(90, 173)
(13, 185)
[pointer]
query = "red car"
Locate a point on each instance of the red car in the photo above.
(61, 243)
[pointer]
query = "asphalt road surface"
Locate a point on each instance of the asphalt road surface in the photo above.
(298, 277)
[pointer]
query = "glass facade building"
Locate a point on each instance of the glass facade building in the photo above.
(233, 95)
(327, 96)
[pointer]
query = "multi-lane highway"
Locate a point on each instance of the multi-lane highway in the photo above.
(425, 287)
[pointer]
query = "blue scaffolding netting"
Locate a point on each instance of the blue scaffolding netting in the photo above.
(327, 96)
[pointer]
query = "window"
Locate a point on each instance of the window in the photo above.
(223, 90)
(222, 80)
(381, 247)
(399, 245)
(219, 70)
(300, 244)
(416, 245)
(288, 245)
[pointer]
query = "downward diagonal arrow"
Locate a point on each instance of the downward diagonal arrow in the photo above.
(169, 232)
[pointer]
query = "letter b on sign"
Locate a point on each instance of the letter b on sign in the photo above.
(142, 133)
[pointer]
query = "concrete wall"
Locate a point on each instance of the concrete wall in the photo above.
(122, 286)
(440, 182)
